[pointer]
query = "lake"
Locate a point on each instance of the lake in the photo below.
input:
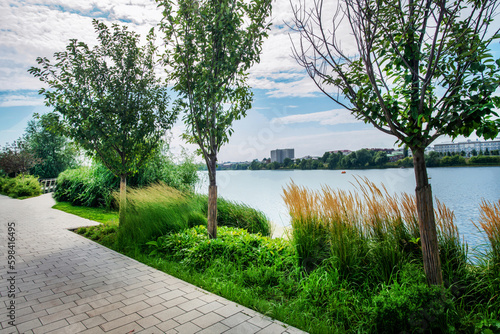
(459, 188)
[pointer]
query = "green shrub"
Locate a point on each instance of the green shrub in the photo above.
(86, 186)
(195, 248)
(105, 233)
(415, 308)
(238, 215)
(93, 186)
(484, 160)
(20, 186)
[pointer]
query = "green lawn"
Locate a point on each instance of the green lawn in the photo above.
(96, 214)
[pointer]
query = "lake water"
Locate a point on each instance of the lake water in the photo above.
(459, 188)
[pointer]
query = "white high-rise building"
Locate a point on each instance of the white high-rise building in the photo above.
(279, 155)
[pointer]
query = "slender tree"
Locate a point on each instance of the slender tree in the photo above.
(109, 98)
(413, 69)
(211, 44)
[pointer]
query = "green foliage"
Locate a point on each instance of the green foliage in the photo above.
(454, 160)
(22, 186)
(152, 212)
(53, 150)
(211, 45)
(110, 100)
(416, 308)
(87, 186)
(101, 215)
(263, 274)
(105, 234)
(481, 159)
(234, 245)
(17, 157)
(93, 186)
(239, 215)
(215, 43)
(157, 210)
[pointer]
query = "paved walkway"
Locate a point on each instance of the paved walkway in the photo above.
(64, 283)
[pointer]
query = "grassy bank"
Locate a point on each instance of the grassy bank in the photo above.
(353, 263)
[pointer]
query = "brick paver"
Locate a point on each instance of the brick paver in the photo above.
(65, 283)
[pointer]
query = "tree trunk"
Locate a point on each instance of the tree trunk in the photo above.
(426, 221)
(123, 198)
(212, 199)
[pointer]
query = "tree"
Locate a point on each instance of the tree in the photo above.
(418, 70)
(287, 162)
(380, 158)
(325, 156)
(17, 158)
(363, 157)
(53, 149)
(432, 159)
(109, 98)
(210, 47)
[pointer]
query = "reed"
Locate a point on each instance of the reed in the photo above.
(368, 228)
(151, 212)
(489, 221)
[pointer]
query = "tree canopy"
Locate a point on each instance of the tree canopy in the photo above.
(111, 102)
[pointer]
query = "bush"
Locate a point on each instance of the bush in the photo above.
(86, 186)
(454, 160)
(104, 233)
(21, 186)
(235, 245)
(415, 308)
(93, 186)
(484, 160)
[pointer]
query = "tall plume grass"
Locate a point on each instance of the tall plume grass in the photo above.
(368, 228)
(489, 221)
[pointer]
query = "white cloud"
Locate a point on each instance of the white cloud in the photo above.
(21, 100)
(329, 117)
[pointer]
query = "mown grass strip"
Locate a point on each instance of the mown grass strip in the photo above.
(100, 215)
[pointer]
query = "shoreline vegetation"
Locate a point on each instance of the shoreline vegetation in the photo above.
(364, 159)
(352, 262)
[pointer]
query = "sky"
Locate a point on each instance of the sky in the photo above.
(288, 110)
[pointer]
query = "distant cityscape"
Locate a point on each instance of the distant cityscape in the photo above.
(467, 149)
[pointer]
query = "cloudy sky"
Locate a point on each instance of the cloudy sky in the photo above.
(288, 111)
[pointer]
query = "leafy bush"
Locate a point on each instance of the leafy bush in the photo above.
(414, 308)
(481, 159)
(20, 186)
(93, 186)
(454, 160)
(105, 233)
(86, 186)
(235, 245)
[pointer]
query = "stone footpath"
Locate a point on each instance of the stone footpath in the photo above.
(65, 283)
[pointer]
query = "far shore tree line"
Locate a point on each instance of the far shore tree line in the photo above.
(366, 159)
